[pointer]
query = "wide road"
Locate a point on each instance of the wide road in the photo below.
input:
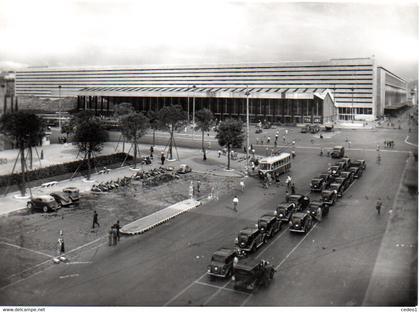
(331, 265)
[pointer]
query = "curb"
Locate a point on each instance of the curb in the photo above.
(159, 222)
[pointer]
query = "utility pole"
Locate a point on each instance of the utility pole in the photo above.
(247, 130)
(59, 106)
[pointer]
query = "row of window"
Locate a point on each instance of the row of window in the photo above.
(356, 110)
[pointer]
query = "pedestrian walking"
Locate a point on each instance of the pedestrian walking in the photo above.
(293, 142)
(284, 139)
(95, 220)
(293, 189)
(242, 184)
(277, 137)
(151, 152)
(377, 147)
(60, 244)
(275, 143)
(42, 154)
(252, 166)
(110, 237)
(379, 206)
(114, 236)
(235, 203)
(219, 152)
(268, 140)
(293, 154)
(162, 158)
(287, 197)
(288, 181)
(278, 179)
(118, 227)
(286, 131)
(198, 186)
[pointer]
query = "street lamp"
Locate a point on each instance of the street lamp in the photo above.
(193, 112)
(247, 130)
(59, 106)
(352, 99)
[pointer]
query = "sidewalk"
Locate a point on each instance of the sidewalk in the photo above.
(191, 157)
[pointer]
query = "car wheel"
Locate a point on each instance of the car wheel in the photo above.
(45, 209)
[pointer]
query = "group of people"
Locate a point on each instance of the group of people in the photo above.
(389, 144)
(114, 234)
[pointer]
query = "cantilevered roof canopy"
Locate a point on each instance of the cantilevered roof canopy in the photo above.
(240, 92)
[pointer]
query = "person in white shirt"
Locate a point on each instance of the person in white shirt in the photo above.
(235, 203)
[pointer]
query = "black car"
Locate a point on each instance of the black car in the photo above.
(44, 203)
(284, 211)
(301, 222)
(221, 264)
(329, 196)
(249, 240)
(344, 163)
(338, 187)
(301, 201)
(251, 273)
(335, 171)
(318, 210)
(348, 175)
(337, 152)
(345, 182)
(327, 177)
(317, 184)
(357, 172)
(269, 225)
(358, 163)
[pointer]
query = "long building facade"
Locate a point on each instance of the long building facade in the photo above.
(286, 92)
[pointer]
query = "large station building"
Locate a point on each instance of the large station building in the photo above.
(286, 92)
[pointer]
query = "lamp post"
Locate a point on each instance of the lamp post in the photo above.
(59, 106)
(352, 99)
(193, 112)
(247, 131)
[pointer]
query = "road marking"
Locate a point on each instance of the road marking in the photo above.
(409, 143)
(216, 293)
(27, 249)
(85, 245)
(68, 276)
(184, 290)
(79, 262)
(220, 287)
(24, 279)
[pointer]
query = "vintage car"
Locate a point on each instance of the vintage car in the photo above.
(269, 225)
(358, 163)
(284, 211)
(73, 193)
(337, 152)
(305, 128)
(221, 264)
(249, 240)
(44, 203)
(314, 128)
(184, 169)
(327, 177)
(318, 210)
(329, 196)
(335, 171)
(301, 222)
(63, 199)
(348, 175)
(301, 201)
(317, 184)
(338, 187)
(357, 172)
(251, 273)
(345, 182)
(344, 163)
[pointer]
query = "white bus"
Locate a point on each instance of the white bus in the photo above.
(274, 164)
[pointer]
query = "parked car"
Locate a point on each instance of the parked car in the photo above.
(345, 182)
(314, 128)
(73, 193)
(62, 199)
(249, 240)
(44, 203)
(337, 152)
(348, 175)
(301, 222)
(338, 187)
(335, 171)
(358, 163)
(184, 169)
(221, 264)
(317, 184)
(305, 129)
(249, 273)
(301, 201)
(344, 163)
(284, 211)
(318, 209)
(357, 172)
(269, 225)
(329, 196)
(327, 177)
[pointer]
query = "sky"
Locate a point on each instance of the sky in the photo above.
(135, 32)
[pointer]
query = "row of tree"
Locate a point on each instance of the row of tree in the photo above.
(26, 130)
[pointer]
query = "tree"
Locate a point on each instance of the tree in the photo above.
(204, 120)
(230, 134)
(171, 118)
(133, 127)
(67, 128)
(120, 111)
(154, 123)
(90, 136)
(25, 129)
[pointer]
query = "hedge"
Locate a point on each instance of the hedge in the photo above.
(60, 169)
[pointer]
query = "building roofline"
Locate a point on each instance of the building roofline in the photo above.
(388, 71)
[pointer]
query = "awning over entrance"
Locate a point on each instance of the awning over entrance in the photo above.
(240, 92)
